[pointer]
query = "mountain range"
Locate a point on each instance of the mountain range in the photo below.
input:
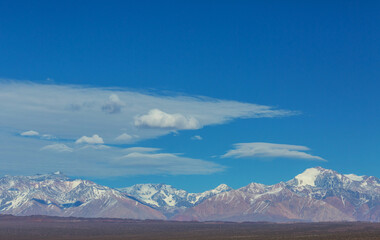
(168, 199)
(315, 195)
(57, 195)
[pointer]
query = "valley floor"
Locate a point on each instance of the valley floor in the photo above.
(54, 228)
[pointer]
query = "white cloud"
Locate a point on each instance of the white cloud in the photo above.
(59, 147)
(262, 150)
(196, 137)
(33, 133)
(113, 105)
(159, 119)
(30, 133)
(95, 139)
(47, 136)
(125, 137)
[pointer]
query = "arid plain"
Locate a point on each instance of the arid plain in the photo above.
(54, 228)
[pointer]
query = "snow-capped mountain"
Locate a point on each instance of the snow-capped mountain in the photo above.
(358, 196)
(168, 199)
(57, 195)
(317, 194)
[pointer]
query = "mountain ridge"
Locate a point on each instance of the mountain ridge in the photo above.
(58, 195)
(168, 199)
(317, 194)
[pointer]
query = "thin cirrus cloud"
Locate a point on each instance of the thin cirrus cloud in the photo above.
(30, 133)
(167, 163)
(156, 118)
(273, 150)
(95, 139)
(196, 137)
(94, 146)
(48, 136)
(58, 147)
(140, 149)
(124, 137)
(103, 161)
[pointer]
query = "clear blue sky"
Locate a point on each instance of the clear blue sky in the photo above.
(320, 59)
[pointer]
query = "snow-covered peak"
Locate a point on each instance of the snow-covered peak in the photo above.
(195, 198)
(354, 177)
(308, 177)
(156, 195)
(167, 198)
(320, 183)
(222, 187)
(312, 176)
(149, 189)
(253, 187)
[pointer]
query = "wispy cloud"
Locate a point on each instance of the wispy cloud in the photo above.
(35, 134)
(265, 150)
(47, 136)
(104, 161)
(97, 146)
(58, 147)
(140, 149)
(196, 137)
(95, 139)
(167, 163)
(30, 133)
(125, 137)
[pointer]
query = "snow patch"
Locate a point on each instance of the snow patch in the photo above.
(170, 201)
(75, 183)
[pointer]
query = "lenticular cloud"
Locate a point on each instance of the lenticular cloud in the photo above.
(264, 150)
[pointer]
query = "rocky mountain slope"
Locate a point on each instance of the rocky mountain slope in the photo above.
(168, 199)
(317, 194)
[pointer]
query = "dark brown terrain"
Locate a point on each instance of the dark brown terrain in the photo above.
(55, 228)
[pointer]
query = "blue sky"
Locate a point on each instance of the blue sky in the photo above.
(275, 72)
